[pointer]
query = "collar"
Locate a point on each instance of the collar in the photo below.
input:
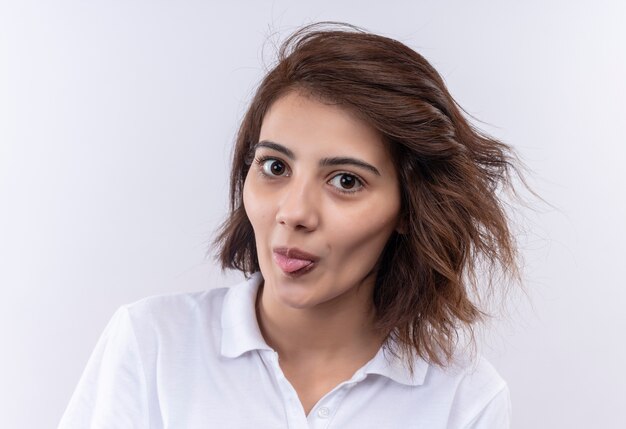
(241, 334)
(240, 329)
(388, 365)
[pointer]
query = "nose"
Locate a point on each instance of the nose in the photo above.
(298, 208)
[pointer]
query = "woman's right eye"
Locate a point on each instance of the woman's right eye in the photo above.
(272, 166)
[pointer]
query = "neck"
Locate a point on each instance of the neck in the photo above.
(343, 326)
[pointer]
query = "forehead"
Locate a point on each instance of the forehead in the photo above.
(310, 127)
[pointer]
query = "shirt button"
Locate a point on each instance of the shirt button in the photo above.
(323, 412)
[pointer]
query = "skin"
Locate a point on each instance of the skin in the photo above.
(321, 323)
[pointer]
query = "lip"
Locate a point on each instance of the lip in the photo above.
(294, 262)
(294, 252)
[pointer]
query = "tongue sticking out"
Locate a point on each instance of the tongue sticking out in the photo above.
(290, 265)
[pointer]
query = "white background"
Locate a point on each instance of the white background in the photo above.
(116, 123)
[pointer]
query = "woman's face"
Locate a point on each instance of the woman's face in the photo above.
(323, 198)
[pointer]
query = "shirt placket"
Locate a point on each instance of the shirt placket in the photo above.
(322, 414)
(293, 408)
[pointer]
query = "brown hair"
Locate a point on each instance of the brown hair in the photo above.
(450, 175)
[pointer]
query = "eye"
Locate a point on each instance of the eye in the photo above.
(347, 183)
(272, 166)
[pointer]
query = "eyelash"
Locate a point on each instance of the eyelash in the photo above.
(262, 159)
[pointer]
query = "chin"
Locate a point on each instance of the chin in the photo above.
(294, 296)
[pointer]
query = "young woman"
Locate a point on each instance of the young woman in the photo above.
(362, 204)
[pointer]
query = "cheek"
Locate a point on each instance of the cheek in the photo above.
(363, 236)
(256, 206)
(250, 204)
(246, 199)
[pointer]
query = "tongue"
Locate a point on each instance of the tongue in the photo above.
(291, 264)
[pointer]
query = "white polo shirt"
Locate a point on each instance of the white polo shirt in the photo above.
(198, 360)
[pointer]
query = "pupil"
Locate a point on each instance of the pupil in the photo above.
(347, 181)
(277, 168)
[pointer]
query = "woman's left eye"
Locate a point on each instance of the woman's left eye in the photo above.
(346, 182)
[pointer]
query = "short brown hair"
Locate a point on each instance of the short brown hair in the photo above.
(449, 172)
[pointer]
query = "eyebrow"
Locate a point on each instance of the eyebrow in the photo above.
(325, 162)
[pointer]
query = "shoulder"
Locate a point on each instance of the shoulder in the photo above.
(476, 374)
(169, 306)
(475, 391)
(163, 317)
